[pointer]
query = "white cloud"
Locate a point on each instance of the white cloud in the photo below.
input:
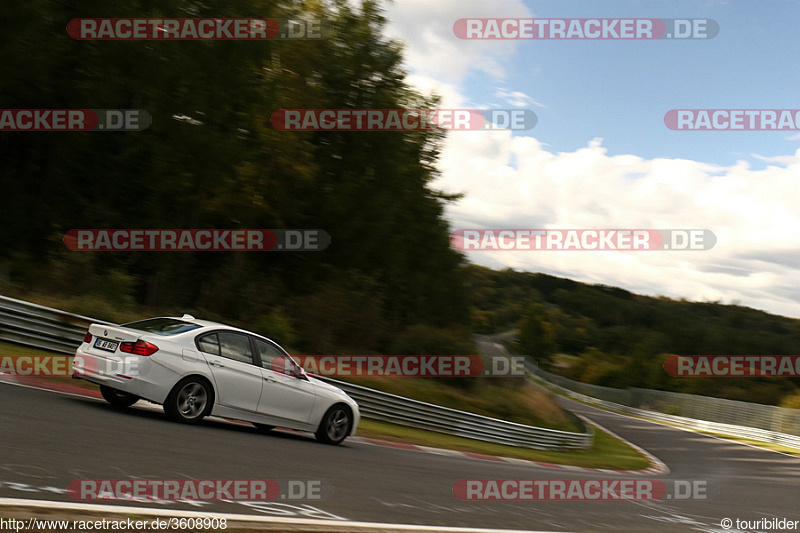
(451, 98)
(515, 182)
(519, 182)
(516, 98)
(433, 50)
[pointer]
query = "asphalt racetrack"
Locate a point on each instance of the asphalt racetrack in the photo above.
(49, 439)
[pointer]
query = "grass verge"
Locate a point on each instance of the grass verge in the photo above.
(607, 452)
(505, 398)
(64, 366)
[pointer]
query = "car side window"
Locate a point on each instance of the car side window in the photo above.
(209, 344)
(235, 346)
(272, 357)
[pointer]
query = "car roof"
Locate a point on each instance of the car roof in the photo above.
(190, 318)
(201, 322)
(212, 324)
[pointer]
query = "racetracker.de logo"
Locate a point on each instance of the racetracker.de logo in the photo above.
(584, 29)
(36, 365)
(67, 365)
(701, 366)
(458, 366)
(579, 489)
(74, 120)
(198, 489)
(582, 239)
(190, 240)
(733, 119)
(403, 119)
(196, 29)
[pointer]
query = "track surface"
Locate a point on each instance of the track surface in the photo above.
(49, 439)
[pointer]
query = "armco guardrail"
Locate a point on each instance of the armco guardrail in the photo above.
(407, 412)
(58, 331)
(42, 327)
(571, 388)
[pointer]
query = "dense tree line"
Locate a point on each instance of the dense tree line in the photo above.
(211, 159)
(609, 336)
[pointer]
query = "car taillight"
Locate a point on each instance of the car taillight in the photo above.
(87, 338)
(139, 347)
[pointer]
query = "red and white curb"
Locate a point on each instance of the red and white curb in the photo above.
(656, 465)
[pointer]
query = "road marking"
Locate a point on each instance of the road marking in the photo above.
(330, 525)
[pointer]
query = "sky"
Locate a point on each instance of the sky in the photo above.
(600, 155)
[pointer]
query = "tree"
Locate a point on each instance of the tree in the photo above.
(537, 334)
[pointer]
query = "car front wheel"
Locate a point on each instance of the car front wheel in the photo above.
(189, 401)
(117, 398)
(335, 425)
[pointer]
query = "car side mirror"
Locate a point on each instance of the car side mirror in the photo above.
(297, 370)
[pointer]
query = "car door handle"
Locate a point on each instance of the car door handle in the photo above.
(269, 378)
(217, 363)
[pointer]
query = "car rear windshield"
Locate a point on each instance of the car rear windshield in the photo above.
(162, 326)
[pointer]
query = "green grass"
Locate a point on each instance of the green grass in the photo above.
(14, 349)
(505, 398)
(607, 451)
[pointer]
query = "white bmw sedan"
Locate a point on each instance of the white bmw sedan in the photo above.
(196, 368)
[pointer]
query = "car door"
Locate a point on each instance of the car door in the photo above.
(283, 395)
(230, 358)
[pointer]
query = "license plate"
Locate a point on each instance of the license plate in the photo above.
(103, 344)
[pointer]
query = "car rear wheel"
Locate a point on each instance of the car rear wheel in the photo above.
(190, 400)
(335, 425)
(118, 398)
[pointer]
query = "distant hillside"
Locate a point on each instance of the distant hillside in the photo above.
(609, 336)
